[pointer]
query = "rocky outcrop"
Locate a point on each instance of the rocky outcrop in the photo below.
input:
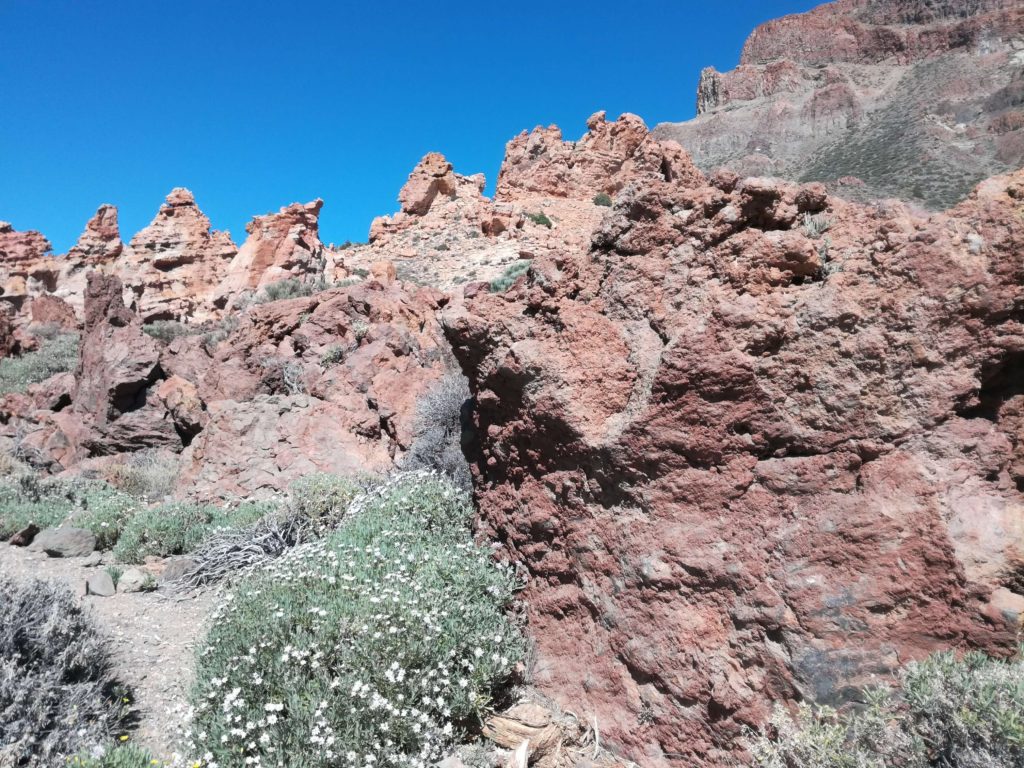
(548, 200)
(26, 269)
(281, 246)
(119, 368)
(100, 243)
(608, 157)
(433, 176)
(755, 444)
(172, 267)
(327, 382)
(884, 98)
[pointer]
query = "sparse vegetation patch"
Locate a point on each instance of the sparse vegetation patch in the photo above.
(512, 273)
(540, 219)
(55, 355)
(945, 712)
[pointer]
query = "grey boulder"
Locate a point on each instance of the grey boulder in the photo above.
(66, 542)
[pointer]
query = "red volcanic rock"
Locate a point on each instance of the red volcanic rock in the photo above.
(119, 367)
(327, 382)
(173, 266)
(449, 234)
(432, 177)
(50, 310)
(918, 99)
(19, 247)
(281, 246)
(25, 267)
(100, 243)
(744, 462)
(604, 160)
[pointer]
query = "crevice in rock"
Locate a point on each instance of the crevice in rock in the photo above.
(1000, 382)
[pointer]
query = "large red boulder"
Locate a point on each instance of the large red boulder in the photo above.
(754, 445)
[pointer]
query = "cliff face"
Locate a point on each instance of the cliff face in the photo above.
(754, 444)
(881, 98)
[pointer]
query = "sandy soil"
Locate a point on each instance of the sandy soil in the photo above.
(154, 636)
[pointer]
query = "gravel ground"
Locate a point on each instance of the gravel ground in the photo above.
(154, 636)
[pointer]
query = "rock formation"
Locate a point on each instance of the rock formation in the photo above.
(173, 266)
(916, 100)
(281, 246)
(325, 382)
(25, 267)
(547, 201)
(100, 243)
(755, 444)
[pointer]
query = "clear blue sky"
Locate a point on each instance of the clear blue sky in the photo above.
(253, 105)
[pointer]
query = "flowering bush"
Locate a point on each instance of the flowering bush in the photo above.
(378, 645)
(104, 511)
(179, 527)
(945, 712)
(87, 504)
(27, 500)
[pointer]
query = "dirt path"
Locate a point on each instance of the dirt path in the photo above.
(154, 636)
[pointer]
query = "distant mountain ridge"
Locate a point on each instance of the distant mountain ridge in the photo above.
(914, 99)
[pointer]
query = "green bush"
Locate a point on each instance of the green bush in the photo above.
(540, 218)
(169, 330)
(291, 288)
(383, 642)
(121, 756)
(334, 355)
(944, 712)
(815, 225)
(87, 504)
(322, 498)
(177, 528)
(103, 510)
(602, 199)
(510, 275)
(54, 356)
(166, 529)
(24, 502)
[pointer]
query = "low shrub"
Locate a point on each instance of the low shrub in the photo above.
(25, 500)
(317, 504)
(510, 275)
(815, 224)
(55, 355)
(47, 502)
(216, 332)
(58, 696)
(120, 756)
(323, 498)
(291, 288)
(540, 219)
(145, 475)
(943, 712)
(334, 355)
(169, 330)
(177, 528)
(380, 644)
(603, 199)
(438, 430)
(103, 510)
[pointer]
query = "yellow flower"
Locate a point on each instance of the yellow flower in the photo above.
(124, 738)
